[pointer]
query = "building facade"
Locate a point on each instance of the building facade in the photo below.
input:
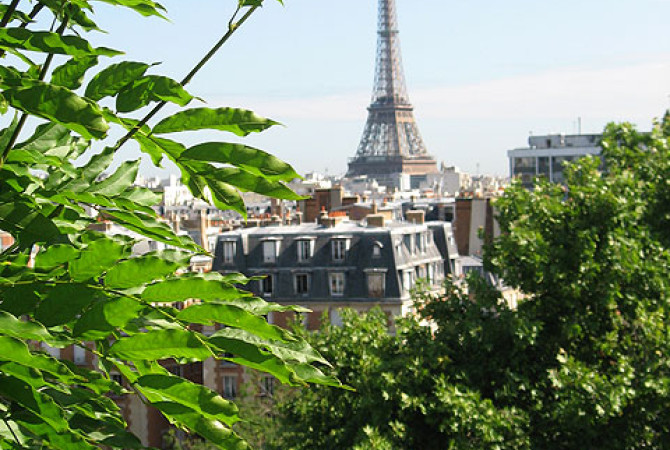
(546, 155)
(338, 264)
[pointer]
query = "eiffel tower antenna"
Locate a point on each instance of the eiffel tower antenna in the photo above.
(391, 143)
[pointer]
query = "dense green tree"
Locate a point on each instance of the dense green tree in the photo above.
(582, 362)
(62, 284)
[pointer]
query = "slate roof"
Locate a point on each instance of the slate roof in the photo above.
(398, 258)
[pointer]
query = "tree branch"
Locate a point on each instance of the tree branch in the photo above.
(11, 431)
(24, 116)
(232, 27)
(8, 14)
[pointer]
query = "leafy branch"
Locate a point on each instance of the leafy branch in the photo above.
(232, 27)
(63, 285)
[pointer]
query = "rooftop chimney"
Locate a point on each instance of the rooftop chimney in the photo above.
(203, 230)
(376, 220)
(415, 216)
(251, 223)
(275, 220)
(323, 215)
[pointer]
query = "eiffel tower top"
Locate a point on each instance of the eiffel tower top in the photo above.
(391, 142)
(389, 78)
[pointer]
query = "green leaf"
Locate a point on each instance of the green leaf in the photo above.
(36, 402)
(114, 78)
(143, 196)
(211, 429)
(20, 299)
(63, 303)
(299, 350)
(250, 159)
(238, 121)
(119, 181)
(96, 258)
(168, 388)
(60, 105)
(246, 181)
(150, 227)
(144, 7)
(44, 41)
(161, 344)
(17, 351)
(71, 74)
(180, 289)
(55, 255)
(250, 355)
(226, 196)
(26, 223)
(311, 374)
(157, 147)
(16, 14)
(139, 271)
(54, 139)
(11, 326)
(106, 316)
(142, 91)
(87, 174)
(233, 316)
(259, 306)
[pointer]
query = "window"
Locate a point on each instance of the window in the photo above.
(79, 355)
(408, 242)
(267, 386)
(418, 242)
(117, 378)
(339, 249)
(335, 317)
(302, 283)
(304, 249)
(267, 285)
(337, 283)
(376, 284)
(229, 386)
(225, 362)
(407, 280)
(228, 252)
(270, 251)
(376, 250)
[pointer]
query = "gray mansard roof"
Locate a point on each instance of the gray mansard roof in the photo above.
(398, 258)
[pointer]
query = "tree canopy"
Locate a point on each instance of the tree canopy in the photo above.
(582, 362)
(63, 284)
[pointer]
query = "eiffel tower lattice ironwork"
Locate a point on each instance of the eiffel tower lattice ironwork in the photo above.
(391, 142)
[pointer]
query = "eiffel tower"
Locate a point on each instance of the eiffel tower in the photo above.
(391, 143)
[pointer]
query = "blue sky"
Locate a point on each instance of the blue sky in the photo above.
(482, 74)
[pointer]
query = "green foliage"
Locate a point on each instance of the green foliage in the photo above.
(403, 396)
(582, 362)
(62, 284)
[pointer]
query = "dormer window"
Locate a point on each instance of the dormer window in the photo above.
(270, 251)
(339, 247)
(377, 250)
(228, 248)
(305, 249)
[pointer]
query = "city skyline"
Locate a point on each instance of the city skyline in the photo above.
(480, 76)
